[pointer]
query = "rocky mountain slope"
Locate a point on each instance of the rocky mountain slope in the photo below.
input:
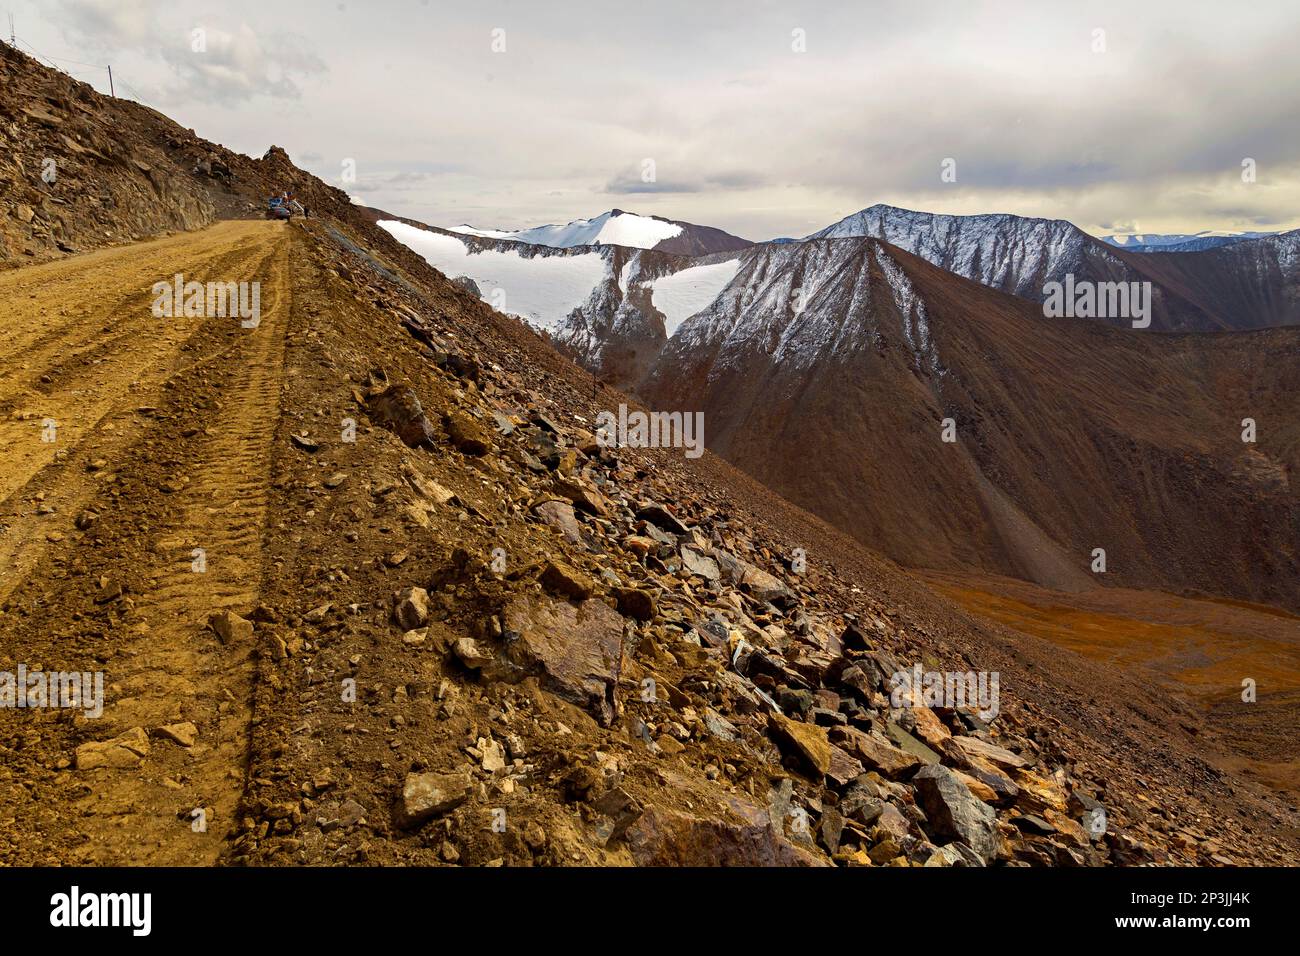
(1069, 435)
(439, 624)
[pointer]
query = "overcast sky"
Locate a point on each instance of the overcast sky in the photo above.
(1117, 116)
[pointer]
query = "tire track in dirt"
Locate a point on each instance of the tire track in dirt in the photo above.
(93, 368)
(220, 512)
(162, 666)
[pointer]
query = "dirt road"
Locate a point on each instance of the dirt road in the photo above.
(132, 502)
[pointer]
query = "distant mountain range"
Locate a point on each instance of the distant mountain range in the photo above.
(1020, 255)
(825, 367)
(1180, 242)
(1200, 291)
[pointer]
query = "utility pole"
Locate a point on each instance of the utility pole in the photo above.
(111, 92)
(13, 37)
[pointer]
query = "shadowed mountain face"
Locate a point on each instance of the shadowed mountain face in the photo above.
(1070, 435)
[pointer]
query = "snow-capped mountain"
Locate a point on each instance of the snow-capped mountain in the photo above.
(615, 308)
(619, 228)
(849, 352)
(1012, 253)
(803, 303)
(1021, 255)
(827, 368)
(1179, 242)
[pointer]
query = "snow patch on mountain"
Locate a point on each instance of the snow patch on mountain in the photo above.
(614, 228)
(682, 294)
(916, 324)
(541, 289)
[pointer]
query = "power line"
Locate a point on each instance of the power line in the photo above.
(52, 62)
(132, 90)
(61, 59)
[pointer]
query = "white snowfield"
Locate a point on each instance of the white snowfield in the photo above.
(542, 290)
(682, 294)
(467, 230)
(609, 229)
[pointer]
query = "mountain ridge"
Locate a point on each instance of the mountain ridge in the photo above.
(620, 228)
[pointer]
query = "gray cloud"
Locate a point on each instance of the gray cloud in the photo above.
(210, 62)
(632, 183)
(746, 133)
(232, 68)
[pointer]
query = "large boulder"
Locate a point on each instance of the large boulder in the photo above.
(398, 409)
(954, 813)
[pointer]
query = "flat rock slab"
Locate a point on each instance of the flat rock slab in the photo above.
(808, 741)
(560, 515)
(184, 734)
(123, 751)
(701, 564)
(877, 753)
(763, 585)
(910, 744)
(973, 746)
(426, 795)
(576, 650)
(663, 837)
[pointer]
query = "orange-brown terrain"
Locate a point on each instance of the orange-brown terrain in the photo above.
(436, 622)
(1238, 664)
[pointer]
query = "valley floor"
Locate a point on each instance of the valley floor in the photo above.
(1215, 653)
